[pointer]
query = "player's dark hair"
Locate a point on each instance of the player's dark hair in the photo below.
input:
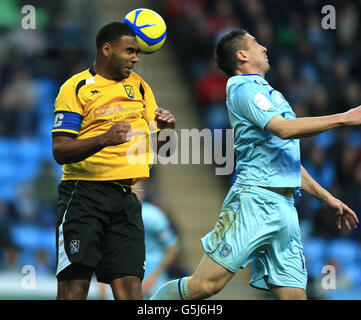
(226, 48)
(111, 33)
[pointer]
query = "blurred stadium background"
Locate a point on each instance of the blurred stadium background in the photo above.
(318, 71)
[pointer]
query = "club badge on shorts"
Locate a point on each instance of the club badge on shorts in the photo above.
(226, 250)
(74, 246)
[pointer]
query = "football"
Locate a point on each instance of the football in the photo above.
(149, 28)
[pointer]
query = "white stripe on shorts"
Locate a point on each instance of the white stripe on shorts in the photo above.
(63, 260)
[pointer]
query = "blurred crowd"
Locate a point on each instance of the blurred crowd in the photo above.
(319, 73)
(33, 64)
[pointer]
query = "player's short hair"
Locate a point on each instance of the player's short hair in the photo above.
(111, 33)
(226, 48)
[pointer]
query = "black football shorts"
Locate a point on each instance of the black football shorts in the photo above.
(100, 225)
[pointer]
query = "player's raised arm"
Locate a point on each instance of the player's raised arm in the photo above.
(309, 126)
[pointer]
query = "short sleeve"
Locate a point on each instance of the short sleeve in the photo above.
(68, 111)
(67, 99)
(254, 105)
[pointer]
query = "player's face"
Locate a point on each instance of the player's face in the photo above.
(257, 55)
(123, 57)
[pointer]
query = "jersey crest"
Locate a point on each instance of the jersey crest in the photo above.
(129, 90)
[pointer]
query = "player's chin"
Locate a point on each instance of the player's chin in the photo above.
(122, 75)
(267, 67)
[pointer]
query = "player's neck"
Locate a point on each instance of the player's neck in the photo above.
(247, 70)
(98, 69)
(262, 74)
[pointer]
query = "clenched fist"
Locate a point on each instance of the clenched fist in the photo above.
(119, 133)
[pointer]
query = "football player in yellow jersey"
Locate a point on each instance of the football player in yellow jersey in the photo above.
(98, 116)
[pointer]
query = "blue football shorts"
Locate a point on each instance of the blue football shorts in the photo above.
(259, 226)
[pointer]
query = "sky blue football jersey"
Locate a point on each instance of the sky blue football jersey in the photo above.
(159, 236)
(262, 158)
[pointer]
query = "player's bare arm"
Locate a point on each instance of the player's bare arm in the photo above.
(70, 150)
(309, 126)
(333, 205)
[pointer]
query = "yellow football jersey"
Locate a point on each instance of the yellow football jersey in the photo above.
(88, 105)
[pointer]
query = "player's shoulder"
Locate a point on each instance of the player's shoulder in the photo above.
(241, 87)
(77, 79)
(138, 80)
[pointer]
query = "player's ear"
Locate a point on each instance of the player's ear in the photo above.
(242, 56)
(107, 49)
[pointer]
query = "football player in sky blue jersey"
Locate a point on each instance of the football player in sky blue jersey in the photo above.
(258, 222)
(161, 243)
